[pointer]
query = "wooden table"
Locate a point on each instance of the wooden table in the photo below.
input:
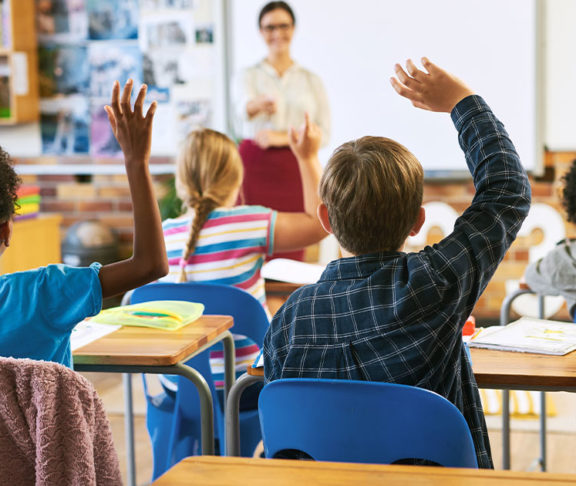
(232, 471)
(492, 369)
(148, 350)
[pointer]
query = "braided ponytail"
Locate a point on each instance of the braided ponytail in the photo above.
(202, 209)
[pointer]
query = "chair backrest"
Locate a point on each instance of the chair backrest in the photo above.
(250, 319)
(360, 421)
(53, 427)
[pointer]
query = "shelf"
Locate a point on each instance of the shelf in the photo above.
(90, 169)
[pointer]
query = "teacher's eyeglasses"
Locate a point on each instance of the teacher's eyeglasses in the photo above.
(270, 28)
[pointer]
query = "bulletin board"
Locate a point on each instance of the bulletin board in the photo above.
(174, 46)
(493, 45)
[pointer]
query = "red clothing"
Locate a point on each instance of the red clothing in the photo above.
(272, 179)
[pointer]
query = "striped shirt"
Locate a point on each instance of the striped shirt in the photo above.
(231, 249)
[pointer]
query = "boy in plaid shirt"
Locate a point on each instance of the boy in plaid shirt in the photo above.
(380, 314)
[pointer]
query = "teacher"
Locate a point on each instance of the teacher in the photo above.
(270, 97)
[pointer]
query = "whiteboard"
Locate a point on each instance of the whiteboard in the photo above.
(560, 90)
(353, 46)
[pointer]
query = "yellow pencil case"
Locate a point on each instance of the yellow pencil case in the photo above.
(161, 314)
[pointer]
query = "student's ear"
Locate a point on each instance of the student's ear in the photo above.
(5, 232)
(322, 212)
(419, 222)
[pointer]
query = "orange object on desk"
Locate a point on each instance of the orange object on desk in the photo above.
(469, 327)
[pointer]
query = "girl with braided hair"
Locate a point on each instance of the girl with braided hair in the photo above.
(215, 241)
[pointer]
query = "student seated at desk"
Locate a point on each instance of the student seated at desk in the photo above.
(381, 314)
(215, 241)
(39, 308)
(555, 274)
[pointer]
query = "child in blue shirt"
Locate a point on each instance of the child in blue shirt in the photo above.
(378, 313)
(39, 308)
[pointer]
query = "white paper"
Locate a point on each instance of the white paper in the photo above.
(20, 67)
(292, 271)
(86, 332)
(529, 335)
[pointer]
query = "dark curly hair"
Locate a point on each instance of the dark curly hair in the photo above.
(9, 183)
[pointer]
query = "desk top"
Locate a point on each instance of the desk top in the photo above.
(494, 369)
(525, 371)
(231, 471)
(145, 346)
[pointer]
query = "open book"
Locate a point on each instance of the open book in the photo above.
(529, 335)
(292, 271)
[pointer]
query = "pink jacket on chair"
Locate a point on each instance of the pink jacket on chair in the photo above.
(53, 428)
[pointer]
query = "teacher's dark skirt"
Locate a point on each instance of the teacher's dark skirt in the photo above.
(272, 179)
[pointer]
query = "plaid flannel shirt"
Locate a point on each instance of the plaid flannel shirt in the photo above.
(397, 317)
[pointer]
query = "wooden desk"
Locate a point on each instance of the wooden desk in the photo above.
(148, 350)
(232, 471)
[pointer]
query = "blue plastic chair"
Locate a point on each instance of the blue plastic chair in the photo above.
(365, 422)
(174, 423)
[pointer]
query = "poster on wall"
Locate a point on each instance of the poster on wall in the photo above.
(86, 45)
(65, 128)
(112, 19)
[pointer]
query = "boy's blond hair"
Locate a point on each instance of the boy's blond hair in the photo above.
(209, 170)
(372, 188)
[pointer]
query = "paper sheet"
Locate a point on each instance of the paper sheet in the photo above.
(292, 271)
(86, 332)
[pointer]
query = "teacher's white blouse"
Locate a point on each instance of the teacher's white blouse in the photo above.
(298, 90)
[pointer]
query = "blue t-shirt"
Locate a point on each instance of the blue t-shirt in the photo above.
(39, 308)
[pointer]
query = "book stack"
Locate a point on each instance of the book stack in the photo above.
(28, 202)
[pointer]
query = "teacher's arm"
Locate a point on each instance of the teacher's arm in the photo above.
(294, 231)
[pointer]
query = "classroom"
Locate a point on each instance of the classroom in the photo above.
(205, 170)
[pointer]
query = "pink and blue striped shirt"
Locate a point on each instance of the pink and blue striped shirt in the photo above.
(231, 249)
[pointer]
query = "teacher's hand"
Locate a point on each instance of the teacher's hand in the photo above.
(270, 138)
(265, 104)
(305, 142)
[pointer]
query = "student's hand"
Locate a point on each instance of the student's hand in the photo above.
(305, 142)
(434, 90)
(131, 128)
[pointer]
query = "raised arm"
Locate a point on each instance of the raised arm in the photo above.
(297, 230)
(133, 131)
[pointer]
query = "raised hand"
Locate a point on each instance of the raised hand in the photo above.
(131, 128)
(433, 89)
(305, 142)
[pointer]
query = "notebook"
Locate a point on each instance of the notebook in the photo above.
(529, 335)
(292, 271)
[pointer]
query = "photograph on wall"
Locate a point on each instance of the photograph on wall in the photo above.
(64, 126)
(204, 34)
(112, 19)
(104, 143)
(164, 68)
(192, 114)
(166, 31)
(61, 20)
(111, 62)
(63, 70)
(166, 4)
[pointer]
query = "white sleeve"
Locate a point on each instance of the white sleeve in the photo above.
(323, 113)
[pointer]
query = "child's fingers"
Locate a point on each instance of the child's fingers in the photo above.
(430, 66)
(115, 102)
(125, 100)
(404, 91)
(151, 111)
(139, 103)
(292, 137)
(111, 117)
(403, 77)
(414, 71)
